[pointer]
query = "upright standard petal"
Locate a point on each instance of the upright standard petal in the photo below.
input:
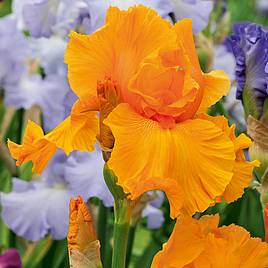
(216, 85)
(115, 50)
(194, 160)
(199, 243)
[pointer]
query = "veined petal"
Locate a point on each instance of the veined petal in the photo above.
(234, 248)
(183, 29)
(242, 172)
(34, 148)
(187, 238)
(202, 244)
(216, 85)
(115, 50)
(195, 158)
(76, 132)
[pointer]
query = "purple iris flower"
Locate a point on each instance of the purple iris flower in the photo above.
(46, 17)
(10, 259)
(152, 211)
(249, 44)
(14, 49)
(34, 209)
(262, 6)
(48, 93)
(197, 10)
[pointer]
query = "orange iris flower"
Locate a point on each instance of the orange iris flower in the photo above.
(201, 244)
(143, 75)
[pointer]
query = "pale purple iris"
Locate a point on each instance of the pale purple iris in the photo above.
(10, 259)
(197, 10)
(37, 208)
(40, 207)
(262, 6)
(49, 93)
(46, 17)
(152, 211)
(13, 52)
(249, 44)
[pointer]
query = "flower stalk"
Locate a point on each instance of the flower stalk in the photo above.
(123, 208)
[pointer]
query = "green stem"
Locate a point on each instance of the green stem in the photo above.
(122, 215)
(131, 238)
(102, 230)
(122, 211)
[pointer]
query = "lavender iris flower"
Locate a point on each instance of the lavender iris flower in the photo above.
(10, 259)
(40, 207)
(262, 6)
(34, 209)
(197, 10)
(48, 93)
(152, 211)
(45, 17)
(13, 52)
(249, 44)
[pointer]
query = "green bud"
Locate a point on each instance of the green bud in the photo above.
(250, 104)
(258, 131)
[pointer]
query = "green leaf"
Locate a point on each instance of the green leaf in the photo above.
(36, 252)
(56, 254)
(246, 212)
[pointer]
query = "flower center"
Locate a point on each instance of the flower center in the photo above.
(107, 91)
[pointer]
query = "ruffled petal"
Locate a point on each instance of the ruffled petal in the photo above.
(242, 172)
(200, 243)
(34, 148)
(185, 239)
(192, 163)
(84, 174)
(185, 39)
(76, 132)
(115, 50)
(44, 210)
(216, 85)
(234, 248)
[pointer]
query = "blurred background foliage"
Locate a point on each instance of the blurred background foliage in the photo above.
(246, 211)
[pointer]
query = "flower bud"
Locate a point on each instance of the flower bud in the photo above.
(258, 131)
(84, 248)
